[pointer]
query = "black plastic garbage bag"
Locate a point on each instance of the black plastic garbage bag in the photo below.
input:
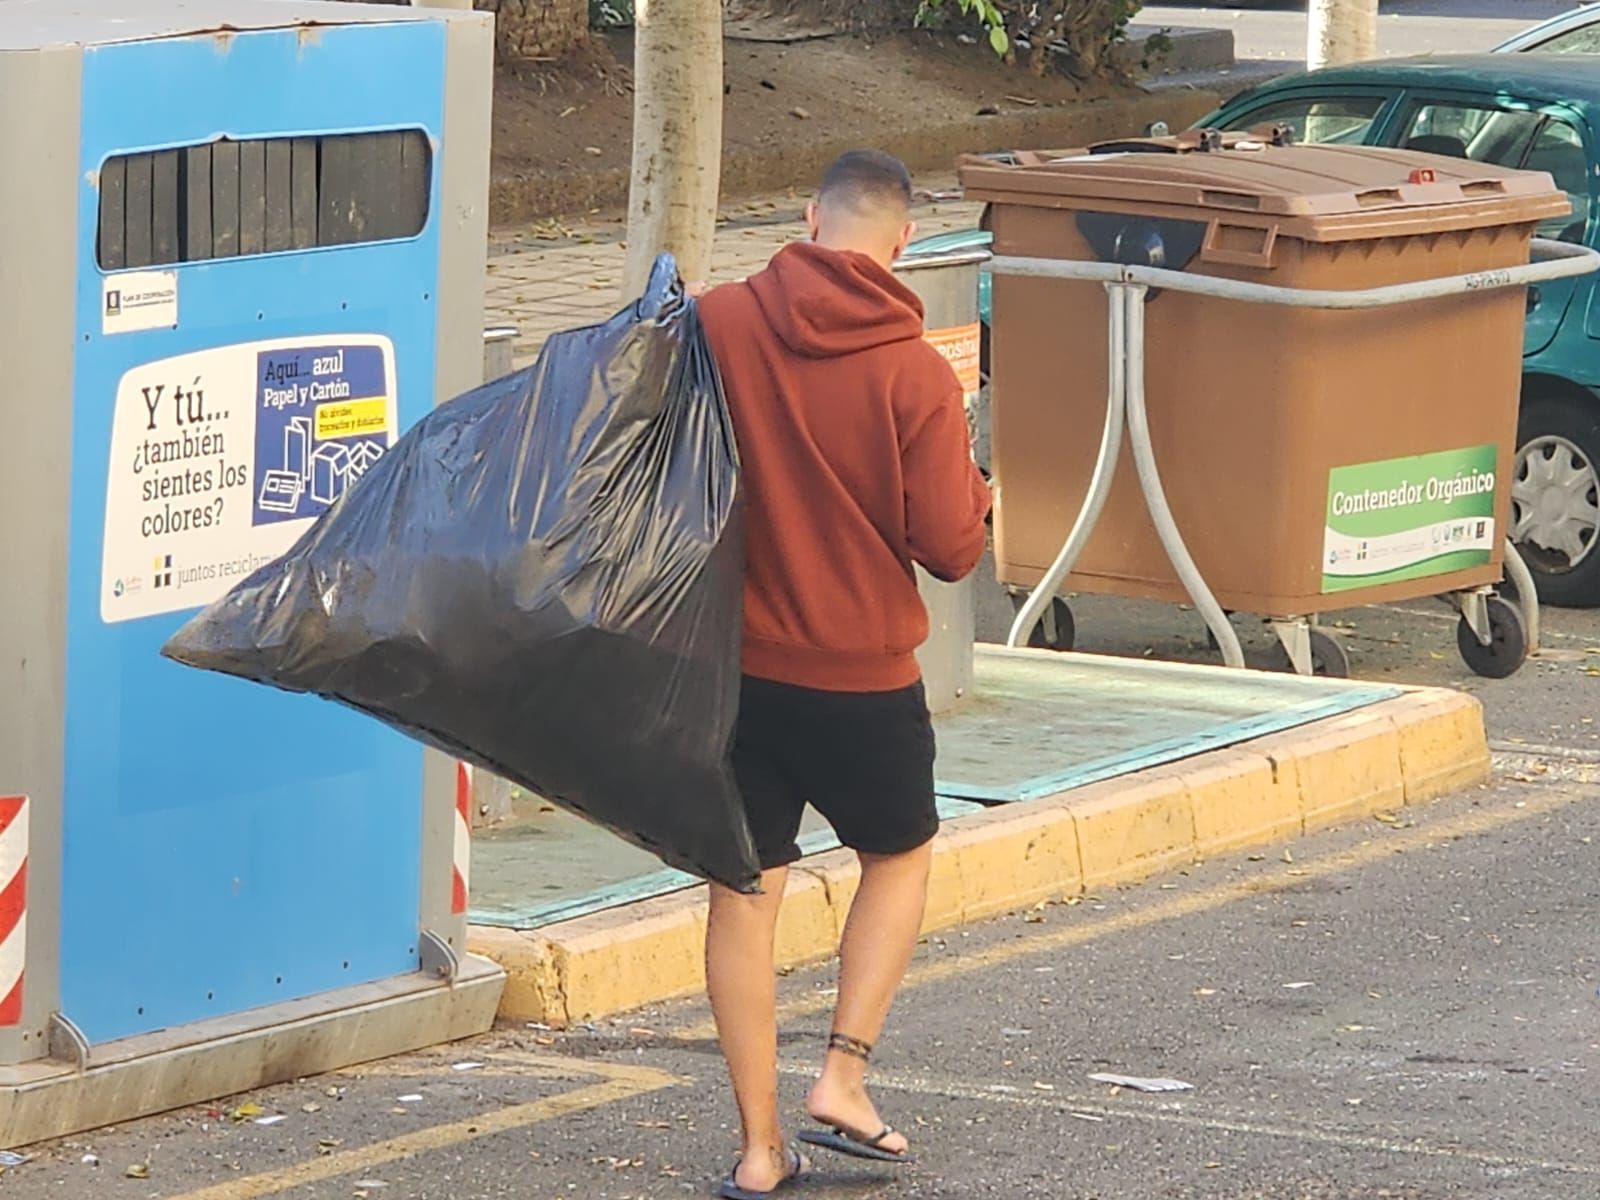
(544, 578)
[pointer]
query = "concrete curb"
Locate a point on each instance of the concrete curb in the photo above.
(1409, 750)
(1187, 49)
(750, 172)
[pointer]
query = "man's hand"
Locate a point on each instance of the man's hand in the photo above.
(695, 290)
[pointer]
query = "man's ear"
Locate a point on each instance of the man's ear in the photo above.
(906, 234)
(813, 219)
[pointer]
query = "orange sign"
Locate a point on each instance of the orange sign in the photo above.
(960, 349)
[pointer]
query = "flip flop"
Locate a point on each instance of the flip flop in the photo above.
(729, 1188)
(845, 1141)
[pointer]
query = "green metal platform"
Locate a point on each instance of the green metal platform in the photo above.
(1036, 725)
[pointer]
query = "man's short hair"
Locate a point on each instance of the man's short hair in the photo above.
(867, 179)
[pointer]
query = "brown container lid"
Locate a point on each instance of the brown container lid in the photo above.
(1312, 192)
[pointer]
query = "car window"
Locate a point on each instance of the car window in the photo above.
(1559, 150)
(1472, 131)
(1583, 40)
(1344, 119)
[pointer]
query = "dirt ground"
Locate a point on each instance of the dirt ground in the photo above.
(562, 133)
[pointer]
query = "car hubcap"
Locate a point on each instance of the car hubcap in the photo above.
(1555, 502)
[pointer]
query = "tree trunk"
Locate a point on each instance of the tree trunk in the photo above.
(1341, 31)
(677, 137)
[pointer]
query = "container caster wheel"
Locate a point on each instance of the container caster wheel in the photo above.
(1329, 659)
(1508, 640)
(1056, 630)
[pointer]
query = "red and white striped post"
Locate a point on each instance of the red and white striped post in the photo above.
(13, 906)
(461, 866)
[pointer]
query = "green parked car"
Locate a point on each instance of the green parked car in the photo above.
(1538, 111)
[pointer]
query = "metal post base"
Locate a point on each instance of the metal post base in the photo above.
(1474, 609)
(1527, 593)
(1294, 634)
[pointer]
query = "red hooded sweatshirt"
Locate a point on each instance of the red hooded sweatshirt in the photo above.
(856, 463)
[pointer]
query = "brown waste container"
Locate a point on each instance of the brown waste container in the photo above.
(1292, 442)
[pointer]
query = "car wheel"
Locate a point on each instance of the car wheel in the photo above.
(1555, 498)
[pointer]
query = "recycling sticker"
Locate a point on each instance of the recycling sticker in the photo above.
(222, 458)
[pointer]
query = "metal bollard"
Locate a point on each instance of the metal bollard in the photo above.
(498, 342)
(948, 287)
(491, 795)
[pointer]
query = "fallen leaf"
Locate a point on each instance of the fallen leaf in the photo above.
(311, 1108)
(800, 114)
(1205, 991)
(1043, 1087)
(246, 1112)
(138, 1171)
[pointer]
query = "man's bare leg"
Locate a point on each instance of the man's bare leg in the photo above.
(741, 982)
(879, 939)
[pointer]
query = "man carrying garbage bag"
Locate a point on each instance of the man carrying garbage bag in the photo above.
(856, 465)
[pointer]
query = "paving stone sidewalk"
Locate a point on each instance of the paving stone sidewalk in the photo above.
(560, 275)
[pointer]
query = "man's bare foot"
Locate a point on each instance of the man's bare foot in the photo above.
(763, 1168)
(844, 1105)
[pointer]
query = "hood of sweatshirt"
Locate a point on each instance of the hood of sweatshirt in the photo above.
(825, 303)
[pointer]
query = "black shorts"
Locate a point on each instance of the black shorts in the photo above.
(864, 760)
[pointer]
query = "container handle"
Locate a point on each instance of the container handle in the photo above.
(1239, 245)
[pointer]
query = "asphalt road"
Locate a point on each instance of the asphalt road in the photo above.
(1401, 1010)
(1388, 1011)
(1275, 30)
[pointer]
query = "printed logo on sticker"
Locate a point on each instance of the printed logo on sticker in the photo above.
(134, 301)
